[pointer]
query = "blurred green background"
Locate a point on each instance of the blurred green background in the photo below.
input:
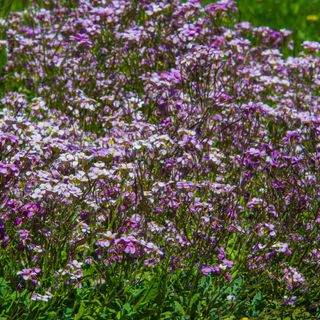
(300, 16)
(12, 5)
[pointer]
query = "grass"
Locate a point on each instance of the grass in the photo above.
(300, 16)
(11, 5)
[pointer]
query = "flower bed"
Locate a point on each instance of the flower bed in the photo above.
(157, 161)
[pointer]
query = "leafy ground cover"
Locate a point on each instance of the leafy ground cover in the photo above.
(157, 161)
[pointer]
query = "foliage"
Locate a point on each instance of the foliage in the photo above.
(300, 16)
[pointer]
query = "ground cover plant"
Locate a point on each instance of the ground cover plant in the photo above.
(159, 160)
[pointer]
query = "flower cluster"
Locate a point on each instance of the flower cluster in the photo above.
(144, 134)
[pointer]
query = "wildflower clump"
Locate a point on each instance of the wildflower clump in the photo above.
(156, 149)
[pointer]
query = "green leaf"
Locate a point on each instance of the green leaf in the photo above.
(81, 311)
(166, 315)
(179, 308)
(96, 301)
(51, 315)
(127, 307)
(89, 318)
(194, 299)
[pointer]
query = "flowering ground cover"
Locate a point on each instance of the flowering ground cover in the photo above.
(158, 160)
(300, 16)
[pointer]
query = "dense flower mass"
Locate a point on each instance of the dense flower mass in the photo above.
(137, 135)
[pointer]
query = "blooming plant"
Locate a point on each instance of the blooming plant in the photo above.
(157, 161)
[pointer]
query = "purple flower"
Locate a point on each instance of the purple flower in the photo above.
(30, 274)
(130, 248)
(81, 39)
(206, 270)
(7, 169)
